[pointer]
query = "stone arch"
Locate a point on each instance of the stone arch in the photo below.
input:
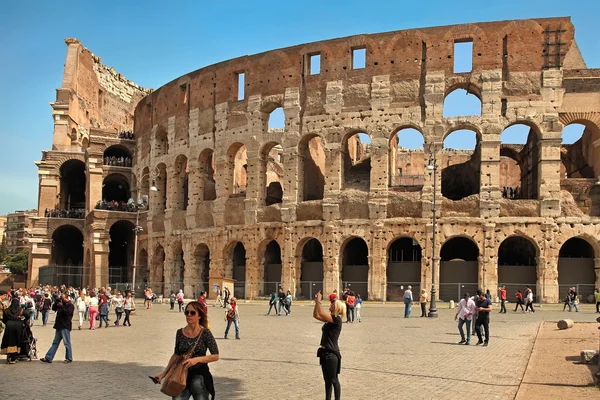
(453, 107)
(117, 151)
(403, 267)
(509, 41)
(271, 172)
(67, 246)
(115, 187)
(459, 267)
(311, 168)
(206, 170)
(161, 142)
(201, 267)
(576, 266)
(309, 253)
(460, 170)
(356, 159)
(521, 175)
(271, 266)
(178, 268)
(517, 263)
(406, 170)
(236, 259)
(159, 198)
(354, 253)
(237, 164)
(120, 256)
(582, 158)
(181, 175)
(72, 175)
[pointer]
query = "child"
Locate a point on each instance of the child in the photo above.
(358, 306)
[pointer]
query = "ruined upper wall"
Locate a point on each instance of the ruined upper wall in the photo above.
(92, 95)
(516, 48)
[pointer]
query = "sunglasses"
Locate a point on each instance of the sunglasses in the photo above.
(190, 312)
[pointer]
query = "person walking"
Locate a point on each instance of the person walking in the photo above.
(180, 300)
(148, 297)
(81, 306)
(172, 300)
(529, 294)
(358, 307)
(423, 301)
(408, 299)
(574, 299)
(272, 303)
(93, 310)
(288, 302)
(202, 301)
(329, 353)
(502, 299)
(62, 325)
(350, 305)
(232, 316)
(483, 307)
(219, 301)
(226, 295)
(464, 315)
(597, 296)
(118, 301)
(46, 306)
(128, 307)
(567, 301)
(519, 302)
(195, 339)
(103, 309)
(281, 300)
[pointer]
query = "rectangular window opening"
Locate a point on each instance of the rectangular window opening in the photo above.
(314, 64)
(184, 93)
(241, 78)
(463, 56)
(359, 58)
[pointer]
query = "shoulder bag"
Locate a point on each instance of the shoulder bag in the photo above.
(176, 379)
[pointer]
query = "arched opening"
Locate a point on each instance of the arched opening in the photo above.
(158, 271)
(460, 103)
(181, 177)
(237, 159)
(159, 202)
(202, 266)
(272, 268)
(276, 119)
(178, 270)
(356, 161)
(85, 143)
(355, 266)
(117, 156)
(120, 256)
(403, 268)
(311, 168)
(406, 160)
(67, 246)
(460, 163)
(238, 262)
(576, 268)
(519, 158)
(161, 144)
(272, 172)
(517, 265)
(72, 185)
(207, 175)
(459, 268)
(311, 269)
(579, 155)
(115, 187)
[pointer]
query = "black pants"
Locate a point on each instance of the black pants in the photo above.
(485, 321)
(126, 320)
(329, 366)
(172, 305)
(272, 306)
(519, 303)
(180, 306)
(423, 309)
(503, 306)
(529, 306)
(598, 306)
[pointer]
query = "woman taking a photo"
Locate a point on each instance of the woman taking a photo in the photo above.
(329, 352)
(197, 338)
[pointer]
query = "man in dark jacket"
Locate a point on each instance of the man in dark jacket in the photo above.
(62, 324)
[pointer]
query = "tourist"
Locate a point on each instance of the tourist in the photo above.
(358, 307)
(519, 302)
(408, 299)
(148, 297)
(232, 315)
(567, 301)
(502, 299)
(423, 301)
(62, 324)
(574, 299)
(81, 306)
(202, 301)
(180, 300)
(329, 354)
(3, 298)
(117, 301)
(194, 340)
(128, 307)
(103, 309)
(597, 296)
(272, 303)
(350, 304)
(529, 297)
(172, 300)
(219, 301)
(288, 302)
(464, 315)
(46, 306)
(488, 295)
(226, 295)
(483, 307)
(93, 302)
(281, 296)
(13, 331)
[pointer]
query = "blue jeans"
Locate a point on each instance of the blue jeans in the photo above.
(462, 322)
(65, 336)
(105, 319)
(237, 327)
(45, 314)
(407, 307)
(195, 388)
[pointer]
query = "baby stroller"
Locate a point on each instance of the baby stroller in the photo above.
(28, 343)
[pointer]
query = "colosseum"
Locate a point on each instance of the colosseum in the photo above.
(332, 197)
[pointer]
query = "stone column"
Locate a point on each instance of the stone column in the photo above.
(100, 253)
(48, 191)
(489, 174)
(191, 273)
(253, 277)
(291, 195)
(489, 261)
(333, 184)
(378, 265)
(427, 192)
(379, 177)
(254, 188)
(94, 184)
(331, 261)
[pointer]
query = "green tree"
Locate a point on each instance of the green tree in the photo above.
(3, 249)
(17, 263)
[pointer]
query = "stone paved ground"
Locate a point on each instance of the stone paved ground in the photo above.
(384, 357)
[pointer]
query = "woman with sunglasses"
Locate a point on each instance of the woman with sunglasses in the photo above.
(196, 335)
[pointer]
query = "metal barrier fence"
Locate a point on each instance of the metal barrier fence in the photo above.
(395, 290)
(455, 291)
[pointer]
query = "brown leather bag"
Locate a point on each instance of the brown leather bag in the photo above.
(175, 380)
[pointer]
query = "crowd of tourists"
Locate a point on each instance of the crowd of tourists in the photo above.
(509, 192)
(64, 213)
(117, 161)
(113, 205)
(127, 135)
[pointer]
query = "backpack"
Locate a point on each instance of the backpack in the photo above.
(231, 313)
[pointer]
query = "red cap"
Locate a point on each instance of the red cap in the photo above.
(332, 297)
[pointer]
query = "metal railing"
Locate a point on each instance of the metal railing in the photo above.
(455, 291)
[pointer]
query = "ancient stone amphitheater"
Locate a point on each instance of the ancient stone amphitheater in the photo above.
(333, 198)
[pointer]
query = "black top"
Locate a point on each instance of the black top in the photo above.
(331, 333)
(47, 304)
(64, 314)
(207, 341)
(485, 303)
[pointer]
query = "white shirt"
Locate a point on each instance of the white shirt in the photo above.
(80, 304)
(93, 302)
(408, 294)
(466, 309)
(117, 301)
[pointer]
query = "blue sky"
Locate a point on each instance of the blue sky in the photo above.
(153, 42)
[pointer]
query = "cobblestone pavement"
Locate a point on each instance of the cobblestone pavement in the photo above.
(384, 357)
